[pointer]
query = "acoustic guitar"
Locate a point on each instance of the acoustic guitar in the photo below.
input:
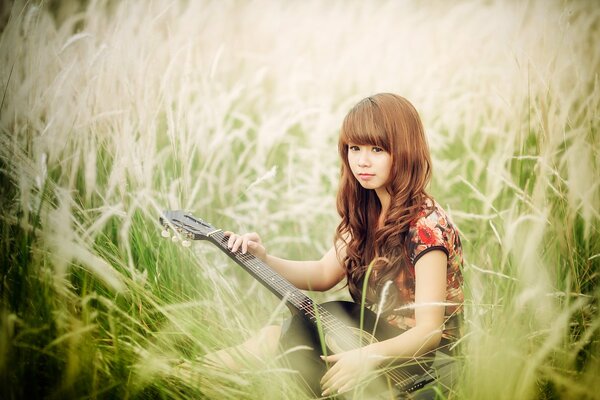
(326, 328)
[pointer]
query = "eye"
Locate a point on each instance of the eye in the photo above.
(376, 149)
(352, 147)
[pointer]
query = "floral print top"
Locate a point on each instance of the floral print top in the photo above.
(432, 230)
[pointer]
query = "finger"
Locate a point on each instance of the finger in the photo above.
(245, 244)
(236, 244)
(336, 384)
(331, 358)
(231, 239)
(330, 375)
(346, 387)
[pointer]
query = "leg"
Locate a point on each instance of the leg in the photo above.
(259, 347)
(262, 346)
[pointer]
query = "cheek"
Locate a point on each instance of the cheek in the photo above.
(388, 166)
(351, 160)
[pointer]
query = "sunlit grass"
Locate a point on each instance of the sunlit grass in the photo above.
(114, 111)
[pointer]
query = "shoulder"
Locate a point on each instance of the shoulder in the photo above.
(432, 229)
(432, 214)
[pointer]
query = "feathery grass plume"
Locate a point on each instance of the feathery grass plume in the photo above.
(114, 111)
(267, 176)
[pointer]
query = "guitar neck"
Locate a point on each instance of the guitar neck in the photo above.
(336, 333)
(296, 301)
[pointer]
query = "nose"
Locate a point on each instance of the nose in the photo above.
(363, 159)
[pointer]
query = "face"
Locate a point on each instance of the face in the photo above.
(370, 165)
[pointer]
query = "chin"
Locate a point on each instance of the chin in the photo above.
(369, 185)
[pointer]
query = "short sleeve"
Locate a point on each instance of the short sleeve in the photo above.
(431, 230)
(428, 233)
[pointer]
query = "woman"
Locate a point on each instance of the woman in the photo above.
(390, 230)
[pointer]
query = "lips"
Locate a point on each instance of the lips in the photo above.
(366, 177)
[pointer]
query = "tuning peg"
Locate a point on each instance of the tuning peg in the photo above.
(165, 233)
(175, 238)
(186, 243)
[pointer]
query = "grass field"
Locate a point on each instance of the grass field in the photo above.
(113, 111)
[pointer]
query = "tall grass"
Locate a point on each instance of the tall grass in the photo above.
(112, 111)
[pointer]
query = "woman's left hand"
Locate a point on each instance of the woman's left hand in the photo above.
(349, 369)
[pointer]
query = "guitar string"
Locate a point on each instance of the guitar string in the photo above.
(266, 273)
(306, 304)
(326, 318)
(330, 322)
(284, 288)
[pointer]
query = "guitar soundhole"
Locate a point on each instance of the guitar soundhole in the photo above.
(357, 338)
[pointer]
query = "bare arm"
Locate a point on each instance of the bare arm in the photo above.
(317, 275)
(430, 293)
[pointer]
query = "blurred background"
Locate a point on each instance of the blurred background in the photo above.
(114, 111)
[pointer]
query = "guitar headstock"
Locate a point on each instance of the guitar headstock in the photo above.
(185, 225)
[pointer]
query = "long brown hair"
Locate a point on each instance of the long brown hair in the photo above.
(391, 122)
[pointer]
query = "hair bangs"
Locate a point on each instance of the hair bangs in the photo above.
(363, 126)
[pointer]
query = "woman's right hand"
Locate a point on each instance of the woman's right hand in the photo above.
(248, 242)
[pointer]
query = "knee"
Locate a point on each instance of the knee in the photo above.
(270, 334)
(267, 341)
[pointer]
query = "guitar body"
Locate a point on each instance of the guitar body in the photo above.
(302, 344)
(329, 328)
